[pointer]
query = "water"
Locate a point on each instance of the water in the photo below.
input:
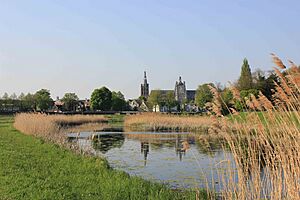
(176, 159)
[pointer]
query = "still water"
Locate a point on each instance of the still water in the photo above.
(176, 159)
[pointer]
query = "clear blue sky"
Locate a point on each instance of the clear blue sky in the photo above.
(79, 45)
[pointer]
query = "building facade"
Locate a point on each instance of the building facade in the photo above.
(180, 91)
(184, 97)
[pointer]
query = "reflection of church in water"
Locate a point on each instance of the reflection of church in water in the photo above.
(181, 146)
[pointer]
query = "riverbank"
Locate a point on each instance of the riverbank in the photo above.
(31, 168)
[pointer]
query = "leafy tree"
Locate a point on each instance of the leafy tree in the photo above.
(170, 100)
(155, 98)
(21, 96)
(245, 81)
(101, 99)
(5, 96)
(118, 102)
(203, 95)
(70, 101)
(227, 100)
(142, 98)
(28, 102)
(43, 99)
(247, 93)
(13, 96)
(264, 84)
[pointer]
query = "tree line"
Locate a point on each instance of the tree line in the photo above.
(101, 99)
(249, 83)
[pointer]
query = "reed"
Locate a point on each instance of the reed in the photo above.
(165, 122)
(54, 127)
(266, 145)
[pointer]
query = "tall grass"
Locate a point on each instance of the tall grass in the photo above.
(54, 127)
(266, 145)
(161, 122)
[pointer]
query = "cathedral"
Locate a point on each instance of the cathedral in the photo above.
(181, 94)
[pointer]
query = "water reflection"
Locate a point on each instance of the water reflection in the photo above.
(105, 142)
(181, 160)
(145, 151)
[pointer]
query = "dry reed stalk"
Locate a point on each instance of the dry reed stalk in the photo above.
(266, 147)
(156, 122)
(278, 61)
(54, 127)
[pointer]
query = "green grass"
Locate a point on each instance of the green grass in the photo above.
(116, 121)
(33, 169)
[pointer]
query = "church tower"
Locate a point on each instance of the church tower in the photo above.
(145, 87)
(180, 91)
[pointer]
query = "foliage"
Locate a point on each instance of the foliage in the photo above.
(155, 97)
(245, 81)
(169, 100)
(5, 96)
(43, 99)
(203, 95)
(227, 100)
(101, 99)
(28, 102)
(247, 93)
(118, 102)
(70, 101)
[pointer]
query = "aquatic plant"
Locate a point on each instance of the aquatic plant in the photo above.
(54, 127)
(166, 122)
(265, 142)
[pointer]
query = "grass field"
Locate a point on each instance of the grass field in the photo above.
(33, 169)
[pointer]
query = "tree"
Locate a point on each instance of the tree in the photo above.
(5, 96)
(227, 100)
(247, 93)
(28, 102)
(13, 96)
(43, 99)
(21, 96)
(170, 100)
(118, 102)
(203, 95)
(70, 101)
(101, 99)
(245, 81)
(155, 98)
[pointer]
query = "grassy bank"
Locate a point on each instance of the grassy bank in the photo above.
(33, 169)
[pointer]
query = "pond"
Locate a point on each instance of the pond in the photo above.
(177, 159)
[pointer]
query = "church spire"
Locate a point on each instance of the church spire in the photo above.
(145, 77)
(145, 86)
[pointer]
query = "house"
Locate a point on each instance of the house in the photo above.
(138, 105)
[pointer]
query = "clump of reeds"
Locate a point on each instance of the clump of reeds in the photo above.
(166, 122)
(54, 127)
(266, 145)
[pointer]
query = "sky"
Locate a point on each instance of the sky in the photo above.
(79, 45)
